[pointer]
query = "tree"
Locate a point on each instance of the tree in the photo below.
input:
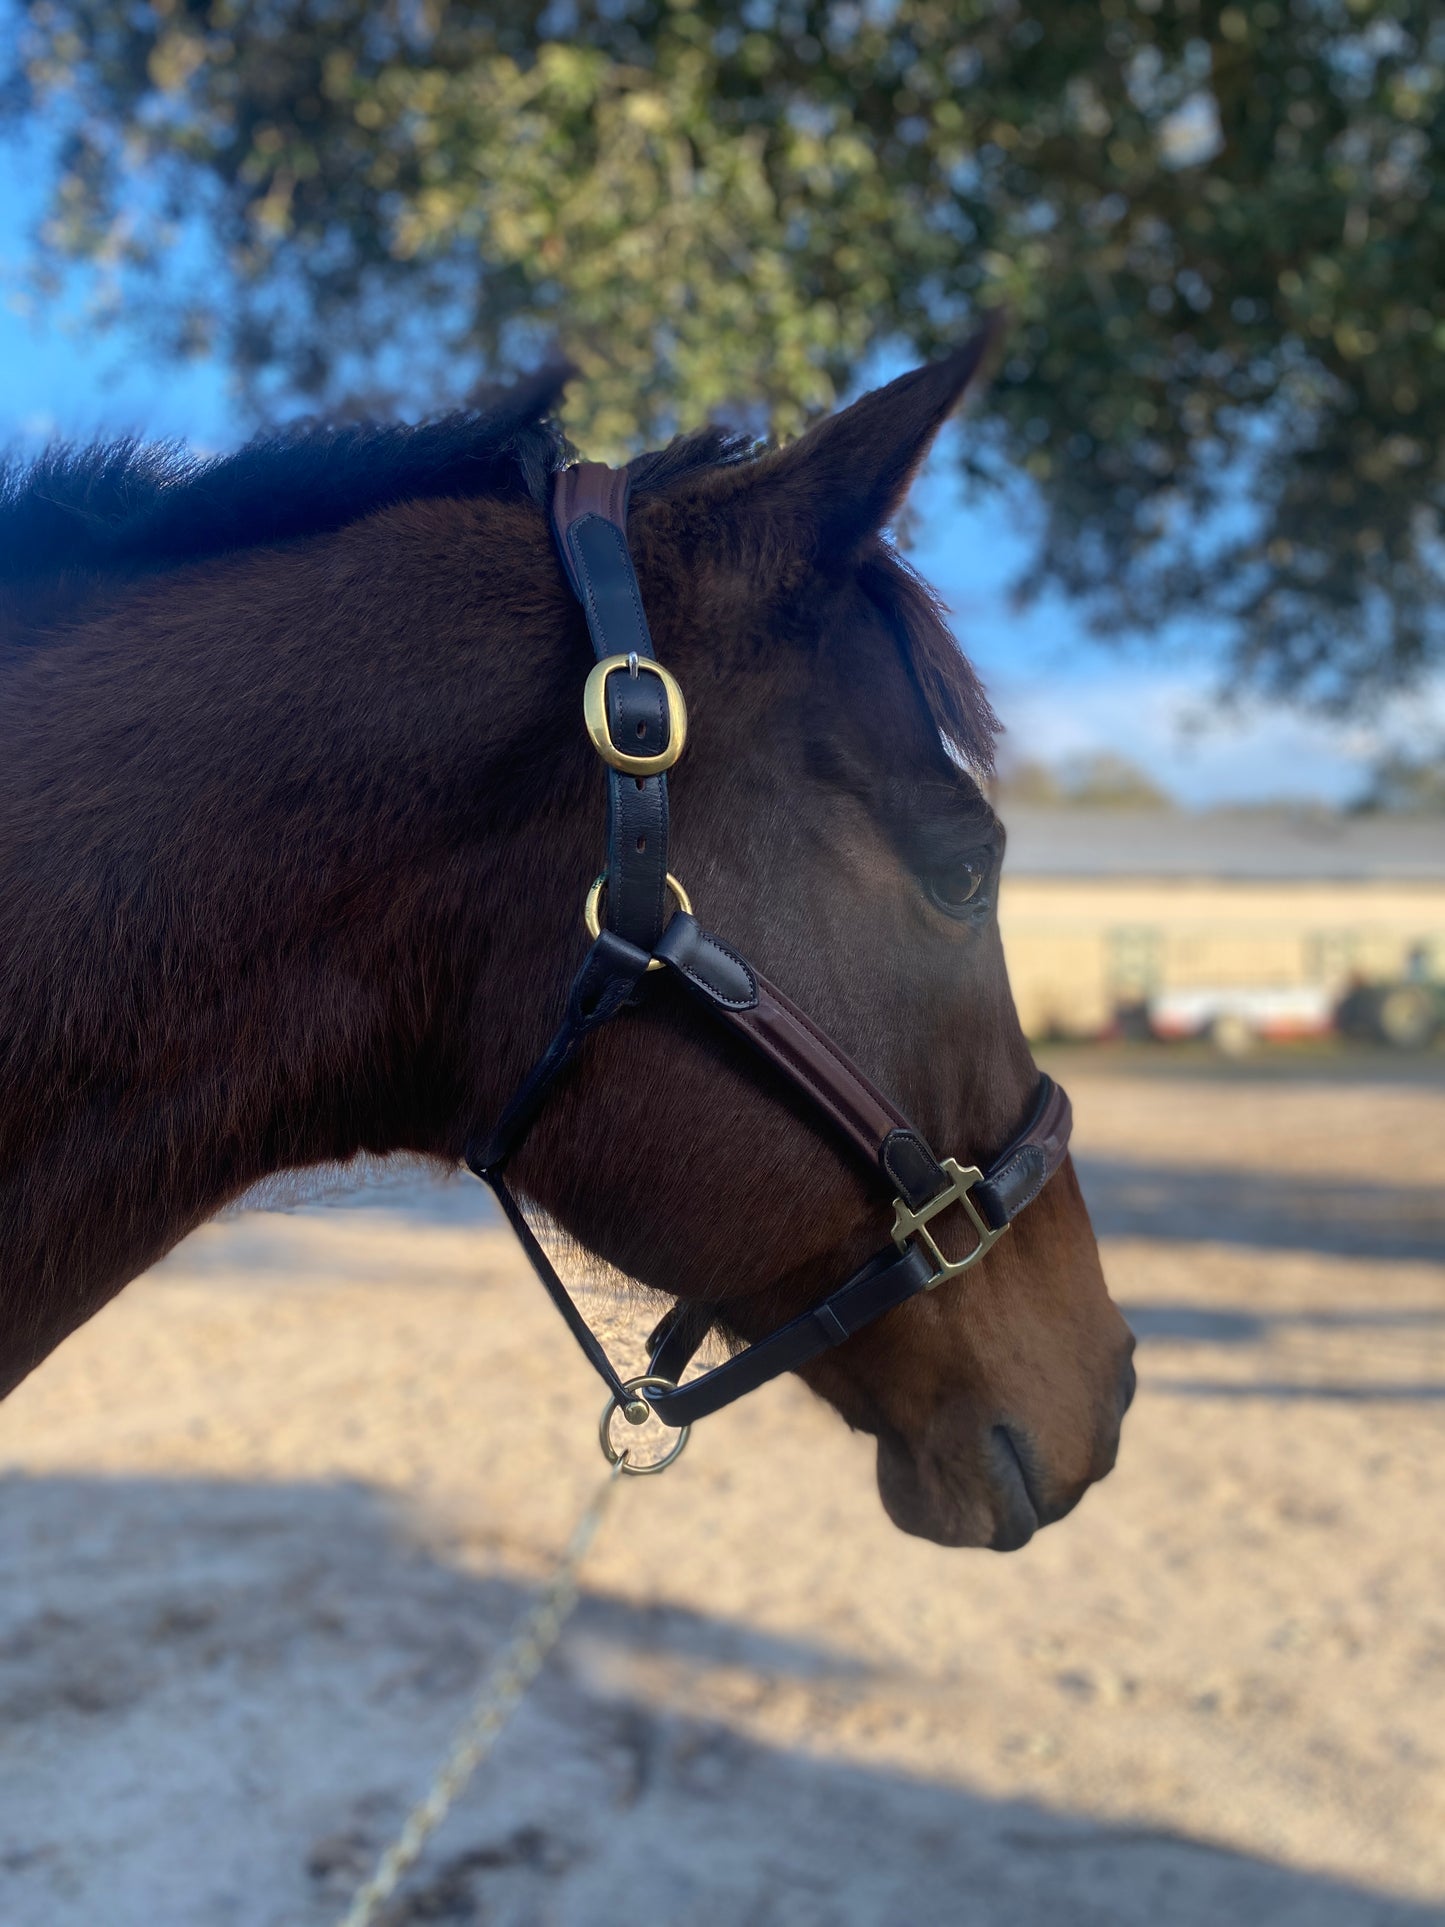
(1219, 230)
(1406, 784)
(1099, 779)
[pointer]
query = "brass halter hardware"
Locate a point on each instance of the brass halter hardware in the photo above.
(592, 909)
(909, 1223)
(594, 714)
(637, 1411)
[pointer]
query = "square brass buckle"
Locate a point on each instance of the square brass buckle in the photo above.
(908, 1223)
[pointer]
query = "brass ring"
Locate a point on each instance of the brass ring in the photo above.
(594, 714)
(592, 909)
(621, 1458)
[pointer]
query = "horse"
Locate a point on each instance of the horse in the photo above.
(297, 815)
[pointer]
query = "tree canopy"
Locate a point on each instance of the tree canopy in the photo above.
(1219, 231)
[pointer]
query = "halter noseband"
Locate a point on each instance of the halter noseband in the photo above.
(637, 720)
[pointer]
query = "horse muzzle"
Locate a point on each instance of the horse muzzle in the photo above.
(971, 1483)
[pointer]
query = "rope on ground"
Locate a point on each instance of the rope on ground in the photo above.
(522, 1659)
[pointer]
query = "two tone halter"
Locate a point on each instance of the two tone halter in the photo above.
(637, 720)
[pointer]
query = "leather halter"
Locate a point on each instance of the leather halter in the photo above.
(637, 719)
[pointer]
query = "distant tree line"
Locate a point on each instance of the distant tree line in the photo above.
(1401, 783)
(1099, 780)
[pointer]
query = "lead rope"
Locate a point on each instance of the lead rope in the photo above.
(522, 1659)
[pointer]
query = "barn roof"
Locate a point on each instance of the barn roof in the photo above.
(1240, 845)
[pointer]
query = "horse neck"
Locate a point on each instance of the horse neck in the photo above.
(262, 887)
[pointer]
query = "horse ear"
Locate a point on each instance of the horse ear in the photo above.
(848, 476)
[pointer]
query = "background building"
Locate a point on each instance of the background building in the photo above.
(1102, 909)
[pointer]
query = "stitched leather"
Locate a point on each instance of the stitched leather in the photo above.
(1024, 1166)
(915, 1171)
(589, 517)
(787, 1037)
(611, 598)
(587, 488)
(637, 810)
(724, 977)
(886, 1281)
(637, 823)
(610, 974)
(638, 719)
(606, 980)
(815, 1063)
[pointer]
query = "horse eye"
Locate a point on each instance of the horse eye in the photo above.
(957, 893)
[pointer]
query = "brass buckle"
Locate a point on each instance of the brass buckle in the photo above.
(594, 714)
(908, 1223)
(592, 909)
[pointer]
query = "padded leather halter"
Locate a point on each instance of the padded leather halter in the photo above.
(637, 718)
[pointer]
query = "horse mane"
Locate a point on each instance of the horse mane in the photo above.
(76, 515)
(125, 506)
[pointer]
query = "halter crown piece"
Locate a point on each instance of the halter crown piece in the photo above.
(637, 720)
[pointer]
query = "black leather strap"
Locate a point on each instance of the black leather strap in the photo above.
(598, 559)
(589, 523)
(677, 1337)
(637, 720)
(884, 1282)
(553, 1285)
(609, 976)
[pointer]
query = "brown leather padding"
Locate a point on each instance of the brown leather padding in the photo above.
(1024, 1167)
(806, 1055)
(588, 488)
(810, 1059)
(1053, 1129)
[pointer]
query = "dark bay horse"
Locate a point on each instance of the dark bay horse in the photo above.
(296, 819)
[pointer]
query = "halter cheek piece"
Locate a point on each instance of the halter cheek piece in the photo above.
(637, 720)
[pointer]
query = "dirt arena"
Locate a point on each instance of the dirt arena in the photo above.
(266, 1518)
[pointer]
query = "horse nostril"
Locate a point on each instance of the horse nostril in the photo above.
(1018, 1512)
(1128, 1385)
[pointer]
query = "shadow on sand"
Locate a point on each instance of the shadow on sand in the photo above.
(1192, 1203)
(1221, 1205)
(1241, 1328)
(218, 1699)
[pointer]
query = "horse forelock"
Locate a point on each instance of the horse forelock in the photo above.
(943, 675)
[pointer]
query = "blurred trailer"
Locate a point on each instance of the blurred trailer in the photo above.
(1236, 1018)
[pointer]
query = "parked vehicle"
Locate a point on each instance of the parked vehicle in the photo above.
(1235, 1018)
(1406, 1014)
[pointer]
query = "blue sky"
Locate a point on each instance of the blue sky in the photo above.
(1059, 691)
(1062, 692)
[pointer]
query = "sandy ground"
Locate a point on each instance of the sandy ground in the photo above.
(263, 1521)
